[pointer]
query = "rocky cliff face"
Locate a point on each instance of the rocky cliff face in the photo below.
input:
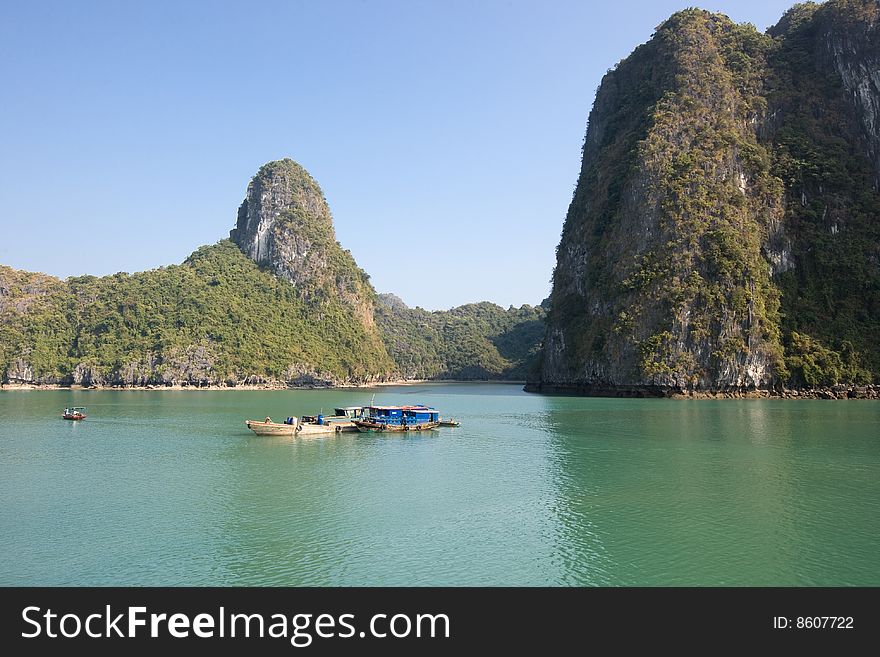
(822, 129)
(847, 41)
(284, 225)
(713, 156)
(282, 193)
(660, 281)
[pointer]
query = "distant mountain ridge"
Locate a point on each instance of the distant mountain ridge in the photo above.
(478, 341)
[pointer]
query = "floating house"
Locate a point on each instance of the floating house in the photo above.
(397, 418)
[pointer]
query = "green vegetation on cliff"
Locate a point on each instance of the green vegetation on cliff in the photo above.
(35, 328)
(724, 231)
(220, 318)
(214, 318)
(705, 278)
(660, 278)
(831, 291)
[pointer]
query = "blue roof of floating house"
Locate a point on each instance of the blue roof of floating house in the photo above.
(416, 407)
(397, 412)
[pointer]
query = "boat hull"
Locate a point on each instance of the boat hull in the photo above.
(365, 426)
(308, 429)
(262, 428)
(73, 417)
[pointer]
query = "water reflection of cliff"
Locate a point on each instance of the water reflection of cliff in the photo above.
(654, 492)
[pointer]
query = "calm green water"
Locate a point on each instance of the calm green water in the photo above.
(169, 488)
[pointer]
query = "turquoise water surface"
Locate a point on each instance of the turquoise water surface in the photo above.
(170, 488)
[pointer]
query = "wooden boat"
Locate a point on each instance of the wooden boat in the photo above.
(74, 413)
(397, 419)
(268, 428)
(450, 423)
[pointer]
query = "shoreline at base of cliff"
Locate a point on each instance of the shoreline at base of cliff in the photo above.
(841, 391)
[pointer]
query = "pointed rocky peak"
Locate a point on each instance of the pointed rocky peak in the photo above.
(285, 226)
(282, 218)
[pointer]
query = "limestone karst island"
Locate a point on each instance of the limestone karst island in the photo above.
(723, 238)
(280, 303)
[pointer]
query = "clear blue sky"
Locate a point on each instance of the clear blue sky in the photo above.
(129, 130)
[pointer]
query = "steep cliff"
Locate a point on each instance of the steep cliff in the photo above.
(714, 159)
(660, 282)
(285, 226)
(823, 97)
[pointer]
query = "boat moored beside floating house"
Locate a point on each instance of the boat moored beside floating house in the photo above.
(308, 425)
(397, 418)
(268, 428)
(341, 421)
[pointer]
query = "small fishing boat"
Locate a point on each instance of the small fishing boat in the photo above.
(397, 419)
(450, 423)
(74, 413)
(268, 428)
